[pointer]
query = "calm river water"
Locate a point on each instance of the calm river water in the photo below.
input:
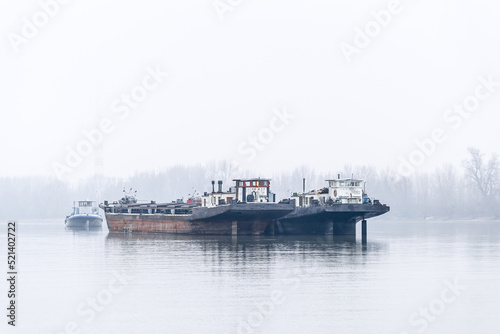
(410, 277)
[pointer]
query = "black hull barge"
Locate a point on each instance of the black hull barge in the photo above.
(338, 219)
(332, 210)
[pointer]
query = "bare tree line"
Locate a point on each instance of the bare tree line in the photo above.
(469, 191)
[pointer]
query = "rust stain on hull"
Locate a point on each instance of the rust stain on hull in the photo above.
(183, 225)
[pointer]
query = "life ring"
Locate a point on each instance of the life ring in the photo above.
(335, 193)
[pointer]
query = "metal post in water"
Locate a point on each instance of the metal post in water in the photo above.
(363, 230)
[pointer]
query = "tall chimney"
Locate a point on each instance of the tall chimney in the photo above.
(304, 185)
(213, 186)
(338, 176)
(220, 185)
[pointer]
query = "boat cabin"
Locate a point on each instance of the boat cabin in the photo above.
(85, 207)
(218, 197)
(254, 190)
(346, 190)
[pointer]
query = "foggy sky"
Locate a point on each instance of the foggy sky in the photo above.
(225, 78)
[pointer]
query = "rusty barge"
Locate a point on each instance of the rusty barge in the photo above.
(249, 208)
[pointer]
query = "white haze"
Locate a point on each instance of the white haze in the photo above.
(227, 76)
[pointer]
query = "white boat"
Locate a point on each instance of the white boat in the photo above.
(85, 214)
